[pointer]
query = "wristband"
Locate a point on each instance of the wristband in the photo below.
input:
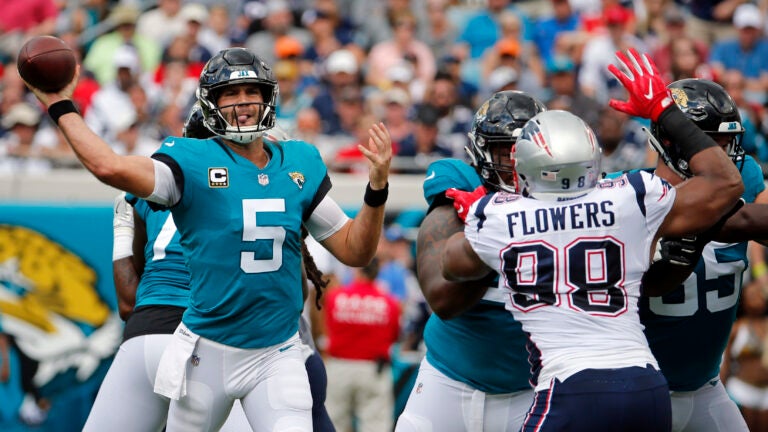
(60, 108)
(376, 198)
(122, 245)
(684, 135)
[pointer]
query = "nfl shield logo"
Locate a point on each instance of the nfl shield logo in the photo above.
(263, 179)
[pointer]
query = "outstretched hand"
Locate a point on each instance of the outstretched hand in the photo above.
(648, 93)
(462, 200)
(48, 99)
(379, 154)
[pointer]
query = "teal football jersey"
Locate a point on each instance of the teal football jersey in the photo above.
(688, 328)
(484, 347)
(240, 231)
(165, 280)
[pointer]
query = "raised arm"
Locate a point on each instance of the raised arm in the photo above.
(356, 242)
(716, 186)
(134, 174)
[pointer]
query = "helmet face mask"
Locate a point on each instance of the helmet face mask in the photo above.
(713, 110)
(495, 129)
(236, 66)
(556, 157)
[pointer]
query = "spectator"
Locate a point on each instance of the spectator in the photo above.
(468, 92)
(100, 57)
(711, 19)
(563, 19)
(752, 117)
(439, 33)
(397, 107)
(216, 36)
(290, 100)
(309, 128)
(748, 53)
(195, 18)
(623, 142)
(454, 121)
(362, 324)
(509, 53)
(594, 79)
(502, 78)
(745, 363)
(162, 23)
(277, 22)
(22, 20)
(114, 97)
(675, 30)
(20, 149)
(424, 145)
(482, 31)
(566, 94)
(403, 44)
(342, 77)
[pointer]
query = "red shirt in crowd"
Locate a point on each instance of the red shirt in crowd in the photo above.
(362, 322)
(23, 15)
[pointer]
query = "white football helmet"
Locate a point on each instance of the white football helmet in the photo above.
(556, 157)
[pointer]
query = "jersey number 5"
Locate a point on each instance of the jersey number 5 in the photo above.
(252, 232)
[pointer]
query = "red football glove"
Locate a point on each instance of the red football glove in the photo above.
(463, 199)
(648, 93)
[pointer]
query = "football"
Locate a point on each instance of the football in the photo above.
(47, 62)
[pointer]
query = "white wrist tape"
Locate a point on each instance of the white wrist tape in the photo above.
(122, 245)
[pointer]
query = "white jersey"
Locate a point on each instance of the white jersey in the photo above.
(572, 270)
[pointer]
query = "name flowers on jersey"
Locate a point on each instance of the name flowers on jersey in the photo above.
(576, 216)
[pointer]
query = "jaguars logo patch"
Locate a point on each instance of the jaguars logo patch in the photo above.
(681, 99)
(297, 178)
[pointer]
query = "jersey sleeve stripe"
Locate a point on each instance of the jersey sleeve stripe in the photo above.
(636, 181)
(322, 191)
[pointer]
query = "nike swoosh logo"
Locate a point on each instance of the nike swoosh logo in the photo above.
(461, 209)
(430, 176)
(649, 96)
(170, 143)
(285, 348)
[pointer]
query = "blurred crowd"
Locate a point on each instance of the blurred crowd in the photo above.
(422, 67)
(419, 66)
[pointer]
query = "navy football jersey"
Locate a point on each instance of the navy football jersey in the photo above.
(688, 328)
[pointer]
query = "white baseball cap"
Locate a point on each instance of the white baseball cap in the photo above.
(747, 15)
(342, 60)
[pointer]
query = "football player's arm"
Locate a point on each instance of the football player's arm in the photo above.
(126, 271)
(749, 223)
(460, 262)
(447, 299)
(677, 257)
(134, 174)
(356, 242)
(5, 360)
(712, 192)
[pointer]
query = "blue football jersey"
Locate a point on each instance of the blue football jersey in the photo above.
(484, 347)
(240, 231)
(688, 328)
(165, 280)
